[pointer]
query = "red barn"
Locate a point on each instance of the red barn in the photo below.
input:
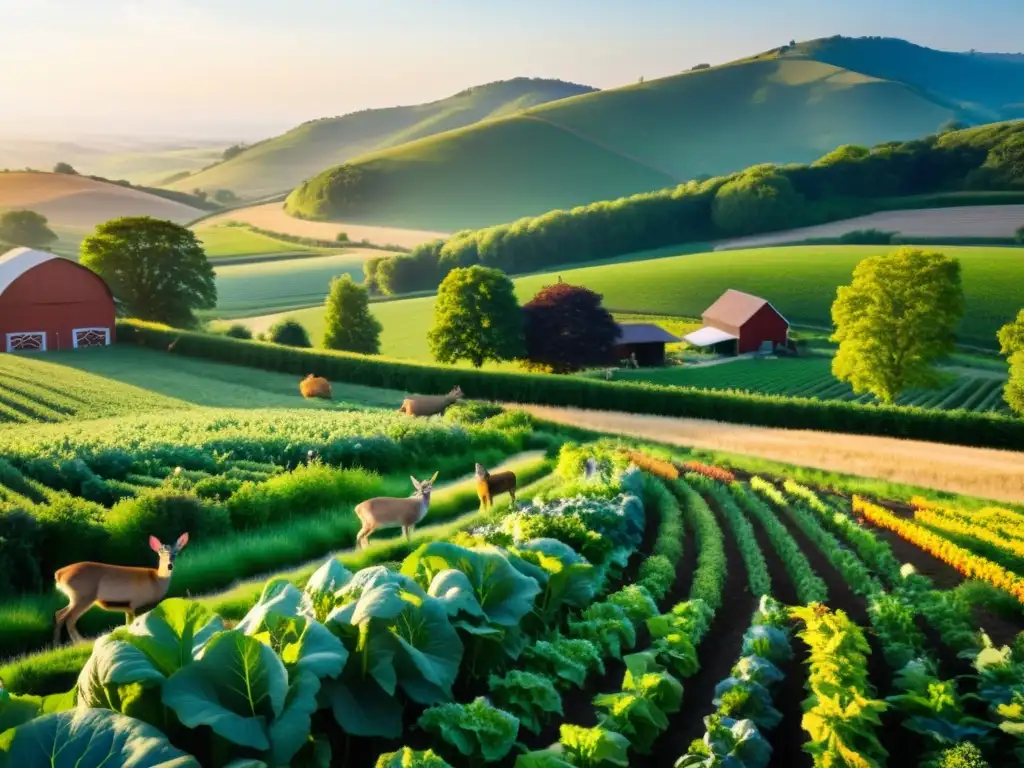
(48, 303)
(739, 322)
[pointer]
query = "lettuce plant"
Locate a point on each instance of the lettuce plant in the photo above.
(639, 711)
(477, 730)
(529, 696)
(636, 601)
(595, 747)
(565, 661)
(409, 758)
(607, 625)
(728, 743)
(566, 579)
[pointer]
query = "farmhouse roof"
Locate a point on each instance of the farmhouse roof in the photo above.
(707, 336)
(644, 333)
(17, 261)
(736, 307)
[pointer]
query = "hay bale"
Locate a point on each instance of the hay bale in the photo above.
(315, 386)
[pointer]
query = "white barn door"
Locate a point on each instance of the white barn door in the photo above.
(90, 337)
(26, 341)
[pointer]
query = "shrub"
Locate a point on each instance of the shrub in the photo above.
(470, 412)
(217, 488)
(19, 546)
(238, 331)
(290, 333)
(166, 514)
(867, 237)
(70, 529)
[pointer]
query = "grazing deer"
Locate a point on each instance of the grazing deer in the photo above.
(113, 587)
(429, 405)
(389, 512)
(488, 486)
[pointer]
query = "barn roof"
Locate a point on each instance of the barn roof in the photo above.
(17, 261)
(644, 333)
(736, 307)
(707, 336)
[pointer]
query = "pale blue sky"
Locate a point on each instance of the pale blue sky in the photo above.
(248, 67)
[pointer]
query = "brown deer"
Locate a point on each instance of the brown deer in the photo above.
(429, 405)
(488, 486)
(389, 512)
(113, 587)
(315, 386)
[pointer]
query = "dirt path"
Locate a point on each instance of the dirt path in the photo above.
(981, 472)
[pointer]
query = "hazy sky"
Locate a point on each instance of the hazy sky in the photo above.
(245, 68)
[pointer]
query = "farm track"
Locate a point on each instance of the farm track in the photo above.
(981, 472)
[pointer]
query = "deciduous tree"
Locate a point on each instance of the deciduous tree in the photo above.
(476, 317)
(350, 324)
(567, 329)
(290, 333)
(158, 269)
(1011, 343)
(26, 228)
(895, 320)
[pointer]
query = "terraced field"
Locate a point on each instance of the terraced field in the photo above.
(968, 389)
(618, 611)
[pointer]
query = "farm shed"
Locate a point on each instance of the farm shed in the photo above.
(738, 323)
(646, 341)
(48, 303)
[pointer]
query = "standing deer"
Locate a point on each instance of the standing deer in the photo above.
(389, 512)
(488, 486)
(429, 405)
(113, 587)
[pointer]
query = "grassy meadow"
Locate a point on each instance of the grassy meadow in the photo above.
(800, 281)
(622, 141)
(225, 241)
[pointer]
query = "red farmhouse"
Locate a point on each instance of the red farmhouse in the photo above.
(48, 303)
(739, 323)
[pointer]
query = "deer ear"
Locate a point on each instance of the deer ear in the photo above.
(415, 482)
(182, 541)
(154, 544)
(435, 476)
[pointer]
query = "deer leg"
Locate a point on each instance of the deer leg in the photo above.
(407, 531)
(129, 616)
(512, 495)
(74, 614)
(59, 617)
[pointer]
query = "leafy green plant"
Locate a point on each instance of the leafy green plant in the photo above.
(657, 575)
(477, 730)
(964, 755)
(595, 747)
(409, 758)
(566, 661)
(728, 743)
(933, 708)
(636, 601)
(607, 625)
(676, 634)
(529, 696)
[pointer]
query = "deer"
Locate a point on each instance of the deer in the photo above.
(113, 587)
(315, 386)
(389, 512)
(488, 486)
(429, 405)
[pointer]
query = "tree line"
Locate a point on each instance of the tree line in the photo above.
(846, 182)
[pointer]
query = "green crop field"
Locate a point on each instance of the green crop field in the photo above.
(280, 163)
(626, 140)
(223, 240)
(972, 390)
(268, 285)
(113, 381)
(800, 281)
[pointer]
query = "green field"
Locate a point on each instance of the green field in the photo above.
(972, 390)
(223, 240)
(268, 285)
(800, 281)
(98, 383)
(280, 163)
(623, 141)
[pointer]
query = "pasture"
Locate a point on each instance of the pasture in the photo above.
(800, 281)
(225, 241)
(272, 217)
(670, 562)
(282, 283)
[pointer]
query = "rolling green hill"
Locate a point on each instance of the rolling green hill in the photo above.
(800, 281)
(634, 139)
(278, 164)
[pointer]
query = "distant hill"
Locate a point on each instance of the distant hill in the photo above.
(279, 164)
(984, 87)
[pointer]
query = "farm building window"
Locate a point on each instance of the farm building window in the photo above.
(91, 337)
(27, 341)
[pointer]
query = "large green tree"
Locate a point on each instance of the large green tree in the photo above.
(349, 323)
(1011, 341)
(476, 317)
(26, 228)
(758, 200)
(895, 320)
(156, 268)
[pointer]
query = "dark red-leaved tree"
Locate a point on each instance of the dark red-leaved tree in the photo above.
(567, 329)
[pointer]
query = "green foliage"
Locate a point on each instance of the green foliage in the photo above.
(349, 323)
(595, 747)
(26, 228)
(530, 697)
(567, 329)
(895, 320)
(636, 601)
(965, 755)
(566, 661)
(477, 730)
(65, 168)
(156, 268)
(1011, 341)
(1019, 236)
(656, 576)
(289, 333)
(476, 318)
(847, 182)
(238, 331)
(409, 758)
